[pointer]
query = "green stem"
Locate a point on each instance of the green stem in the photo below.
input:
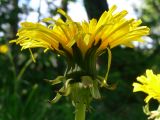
(23, 69)
(13, 64)
(10, 56)
(80, 111)
(20, 74)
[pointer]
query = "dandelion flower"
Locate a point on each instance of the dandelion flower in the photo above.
(4, 49)
(81, 43)
(149, 84)
(111, 30)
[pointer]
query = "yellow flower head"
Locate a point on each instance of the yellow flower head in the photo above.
(149, 84)
(81, 43)
(4, 49)
(111, 30)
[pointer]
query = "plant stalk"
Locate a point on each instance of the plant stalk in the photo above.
(80, 111)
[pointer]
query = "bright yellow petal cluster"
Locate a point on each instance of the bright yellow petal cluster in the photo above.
(111, 30)
(149, 84)
(4, 49)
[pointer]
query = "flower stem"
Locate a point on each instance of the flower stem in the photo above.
(80, 111)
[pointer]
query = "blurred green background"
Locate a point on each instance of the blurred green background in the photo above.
(24, 94)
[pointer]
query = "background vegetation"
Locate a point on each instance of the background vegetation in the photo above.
(24, 94)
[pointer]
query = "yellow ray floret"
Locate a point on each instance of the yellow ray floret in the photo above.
(149, 84)
(111, 30)
(4, 49)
